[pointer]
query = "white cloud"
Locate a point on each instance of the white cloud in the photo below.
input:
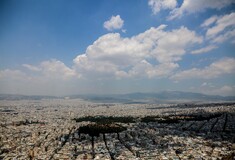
(157, 5)
(220, 28)
(112, 55)
(146, 69)
(209, 21)
(31, 67)
(56, 69)
(50, 77)
(172, 45)
(204, 84)
(162, 70)
(214, 70)
(204, 50)
(114, 23)
(13, 74)
(207, 84)
(51, 69)
(193, 6)
(123, 30)
(221, 24)
(224, 37)
(225, 90)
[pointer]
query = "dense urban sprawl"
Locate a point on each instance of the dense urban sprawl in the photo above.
(46, 129)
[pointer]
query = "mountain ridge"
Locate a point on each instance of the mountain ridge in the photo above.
(140, 96)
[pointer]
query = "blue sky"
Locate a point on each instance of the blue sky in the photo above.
(58, 47)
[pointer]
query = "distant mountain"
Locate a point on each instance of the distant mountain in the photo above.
(24, 97)
(158, 97)
(154, 97)
(178, 95)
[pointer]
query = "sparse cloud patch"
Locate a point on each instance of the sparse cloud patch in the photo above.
(208, 22)
(221, 24)
(31, 67)
(204, 50)
(158, 5)
(114, 23)
(192, 6)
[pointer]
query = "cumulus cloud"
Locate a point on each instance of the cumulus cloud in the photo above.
(214, 70)
(114, 23)
(148, 70)
(192, 6)
(172, 45)
(157, 5)
(162, 70)
(112, 55)
(204, 50)
(56, 69)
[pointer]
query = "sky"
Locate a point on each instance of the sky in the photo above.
(59, 47)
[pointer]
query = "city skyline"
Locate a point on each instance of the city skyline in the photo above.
(102, 47)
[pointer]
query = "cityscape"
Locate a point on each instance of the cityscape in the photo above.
(51, 129)
(117, 80)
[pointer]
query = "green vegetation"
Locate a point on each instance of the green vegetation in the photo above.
(148, 119)
(108, 124)
(177, 118)
(168, 120)
(96, 129)
(204, 117)
(106, 119)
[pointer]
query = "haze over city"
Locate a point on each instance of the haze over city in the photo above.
(81, 47)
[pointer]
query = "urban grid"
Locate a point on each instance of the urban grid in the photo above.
(51, 129)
